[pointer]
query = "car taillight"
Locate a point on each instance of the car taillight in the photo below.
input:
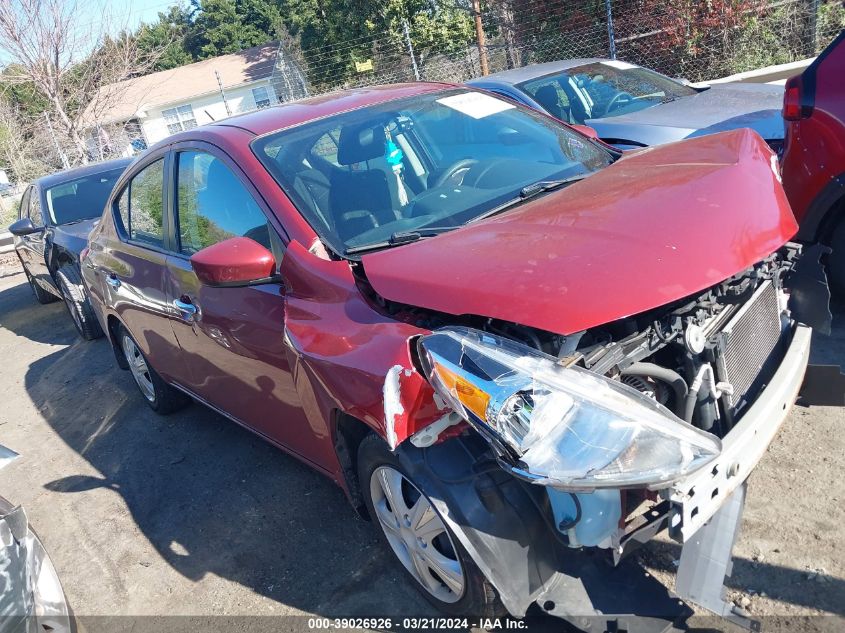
(84, 253)
(794, 108)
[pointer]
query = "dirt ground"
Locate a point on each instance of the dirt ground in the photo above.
(190, 514)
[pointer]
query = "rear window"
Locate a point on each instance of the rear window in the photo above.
(82, 198)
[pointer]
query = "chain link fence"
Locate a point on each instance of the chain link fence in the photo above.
(679, 38)
(687, 39)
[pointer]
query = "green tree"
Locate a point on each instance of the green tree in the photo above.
(168, 35)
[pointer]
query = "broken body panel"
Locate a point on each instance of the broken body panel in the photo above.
(642, 261)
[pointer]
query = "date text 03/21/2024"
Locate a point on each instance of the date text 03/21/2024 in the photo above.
(433, 623)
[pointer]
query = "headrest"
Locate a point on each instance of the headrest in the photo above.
(359, 144)
(547, 96)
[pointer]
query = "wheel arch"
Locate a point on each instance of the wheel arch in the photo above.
(825, 212)
(347, 434)
(113, 326)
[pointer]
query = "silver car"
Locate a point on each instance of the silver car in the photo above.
(630, 106)
(31, 596)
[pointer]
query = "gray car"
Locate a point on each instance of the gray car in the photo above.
(630, 106)
(31, 596)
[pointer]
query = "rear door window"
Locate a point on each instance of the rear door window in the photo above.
(140, 206)
(213, 205)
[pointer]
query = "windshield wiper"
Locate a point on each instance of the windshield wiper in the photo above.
(529, 191)
(399, 238)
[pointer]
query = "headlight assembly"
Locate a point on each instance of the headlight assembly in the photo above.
(564, 427)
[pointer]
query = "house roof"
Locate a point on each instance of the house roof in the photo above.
(127, 99)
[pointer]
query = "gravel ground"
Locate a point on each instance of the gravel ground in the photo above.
(192, 515)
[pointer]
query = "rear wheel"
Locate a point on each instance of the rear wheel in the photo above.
(161, 397)
(439, 566)
(76, 300)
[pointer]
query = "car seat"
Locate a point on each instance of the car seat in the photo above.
(547, 96)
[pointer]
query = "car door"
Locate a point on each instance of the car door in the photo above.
(38, 241)
(23, 212)
(132, 268)
(31, 247)
(233, 338)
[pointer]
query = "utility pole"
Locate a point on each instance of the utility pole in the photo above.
(222, 93)
(61, 154)
(479, 35)
(611, 38)
(411, 49)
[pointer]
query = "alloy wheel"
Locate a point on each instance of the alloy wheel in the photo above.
(138, 367)
(417, 534)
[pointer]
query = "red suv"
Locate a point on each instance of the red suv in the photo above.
(520, 354)
(814, 152)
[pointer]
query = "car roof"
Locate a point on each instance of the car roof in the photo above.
(305, 110)
(59, 177)
(525, 73)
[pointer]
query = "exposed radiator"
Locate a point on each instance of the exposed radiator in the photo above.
(748, 349)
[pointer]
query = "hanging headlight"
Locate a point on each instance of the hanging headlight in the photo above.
(565, 427)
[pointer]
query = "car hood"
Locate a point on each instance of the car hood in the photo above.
(78, 229)
(720, 108)
(656, 226)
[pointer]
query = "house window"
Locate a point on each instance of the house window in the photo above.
(261, 96)
(179, 118)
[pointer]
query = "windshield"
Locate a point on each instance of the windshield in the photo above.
(82, 198)
(435, 160)
(602, 89)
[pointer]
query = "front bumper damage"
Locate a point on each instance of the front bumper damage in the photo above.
(504, 524)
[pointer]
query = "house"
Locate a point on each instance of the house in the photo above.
(133, 114)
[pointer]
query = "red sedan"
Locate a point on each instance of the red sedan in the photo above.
(814, 153)
(519, 353)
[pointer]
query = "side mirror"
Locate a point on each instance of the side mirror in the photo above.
(238, 261)
(24, 226)
(586, 130)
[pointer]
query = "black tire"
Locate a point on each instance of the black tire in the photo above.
(41, 296)
(478, 598)
(76, 299)
(836, 260)
(161, 397)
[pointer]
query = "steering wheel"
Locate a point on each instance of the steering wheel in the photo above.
(618, 100)
(453, 170)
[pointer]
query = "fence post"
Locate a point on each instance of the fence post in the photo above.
(222, 93)
(480, 38)
(411, 50)
(814, 16)
(611, 38)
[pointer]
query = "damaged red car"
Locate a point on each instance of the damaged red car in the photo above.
(519, 353)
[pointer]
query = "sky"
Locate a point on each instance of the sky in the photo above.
(126, 14)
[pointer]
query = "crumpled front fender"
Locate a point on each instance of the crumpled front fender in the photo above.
(348, 357)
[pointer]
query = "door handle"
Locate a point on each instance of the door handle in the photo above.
(113, 281)
(187, 310)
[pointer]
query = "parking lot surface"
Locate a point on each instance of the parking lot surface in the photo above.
(191, 514)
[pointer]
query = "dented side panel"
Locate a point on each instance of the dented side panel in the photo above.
(346, 356)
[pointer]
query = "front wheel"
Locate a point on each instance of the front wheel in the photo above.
(41, 296)
(78, 305)
(161, 397)
(439, 566)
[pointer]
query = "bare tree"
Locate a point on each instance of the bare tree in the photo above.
(69, 62)
(17, 140)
